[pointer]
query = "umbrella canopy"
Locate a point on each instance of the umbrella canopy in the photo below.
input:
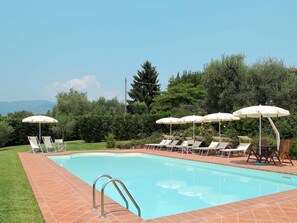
(170, 120)
(260, 111)
(39, 119)
(192, 119)
(220, 117)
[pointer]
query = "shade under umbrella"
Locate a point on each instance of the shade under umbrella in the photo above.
(169, 121)
(220, 117)
(39, 119)
(192, 119)
(260, 111)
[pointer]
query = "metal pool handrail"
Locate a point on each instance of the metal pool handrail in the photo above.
(115, 185)
(126, 190)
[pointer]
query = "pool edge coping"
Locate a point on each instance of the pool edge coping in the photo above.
(216, 212)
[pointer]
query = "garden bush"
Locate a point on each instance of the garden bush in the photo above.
(110, 141)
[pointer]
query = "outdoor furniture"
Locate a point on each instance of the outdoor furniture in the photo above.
(60, 145)
(182, 147)
(212, 145)
(283, 153)
(196, 144)
(152, 145)
(35, 144)
(241, 148)
(172, 146)
(48, 144)
(167, 142)
(253, 152)
(223, 143)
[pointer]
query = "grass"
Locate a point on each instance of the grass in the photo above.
(17, 201)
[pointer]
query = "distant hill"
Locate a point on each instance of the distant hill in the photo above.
(35, 106)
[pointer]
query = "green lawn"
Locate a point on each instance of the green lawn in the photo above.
(17, 201)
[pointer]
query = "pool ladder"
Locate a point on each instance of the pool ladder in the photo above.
(114, 182)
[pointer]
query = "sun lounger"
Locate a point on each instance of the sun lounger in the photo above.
(167, 142)
(172, 146)
(35, 144)
(212, 145)
(48, 144)
(220, 146)
(196, 144)
(153, 145)
(241, 148)
(182, 147)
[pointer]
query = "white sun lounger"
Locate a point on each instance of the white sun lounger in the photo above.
(241, 148)
(48, 144)
(220, 146)
(198, 150)
(35, 144)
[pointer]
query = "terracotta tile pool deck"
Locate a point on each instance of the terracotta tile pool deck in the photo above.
(62, 197)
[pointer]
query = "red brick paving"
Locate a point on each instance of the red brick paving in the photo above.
(62, 197)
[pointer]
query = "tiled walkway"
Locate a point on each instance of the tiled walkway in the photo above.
(62, 197)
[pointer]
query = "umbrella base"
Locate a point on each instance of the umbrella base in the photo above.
(260, 163)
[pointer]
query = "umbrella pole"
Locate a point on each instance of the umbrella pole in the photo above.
(170, 128)
(39, 132)
(194, 131)
(260, 131)
(220, 130)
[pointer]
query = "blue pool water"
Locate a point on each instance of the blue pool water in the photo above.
(164, 186)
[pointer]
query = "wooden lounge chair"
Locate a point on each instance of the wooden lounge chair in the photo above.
(253, 153)
(283, 153)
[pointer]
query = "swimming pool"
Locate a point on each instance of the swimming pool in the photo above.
(164, 186)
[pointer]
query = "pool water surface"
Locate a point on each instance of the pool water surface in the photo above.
(165, 186)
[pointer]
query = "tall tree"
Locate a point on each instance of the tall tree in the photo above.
(145, 85)
(185, 95)
(108, 107)
(270, 83)
(64, 127)
(224, 82)
(181, 99)
(72, 103)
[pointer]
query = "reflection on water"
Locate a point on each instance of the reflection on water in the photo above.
(171, 184)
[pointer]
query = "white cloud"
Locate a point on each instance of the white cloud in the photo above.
(87, 84)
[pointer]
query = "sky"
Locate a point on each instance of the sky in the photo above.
(48, 47)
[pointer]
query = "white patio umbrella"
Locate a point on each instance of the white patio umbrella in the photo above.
(192, 119)
(170, 120)
(39, 119)
(220, 117)
(260, 111)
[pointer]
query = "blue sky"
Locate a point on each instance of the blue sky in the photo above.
(47, 47)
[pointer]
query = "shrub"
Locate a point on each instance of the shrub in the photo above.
(110, 141)
(5, 133)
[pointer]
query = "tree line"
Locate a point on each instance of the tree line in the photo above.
(224, 85)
